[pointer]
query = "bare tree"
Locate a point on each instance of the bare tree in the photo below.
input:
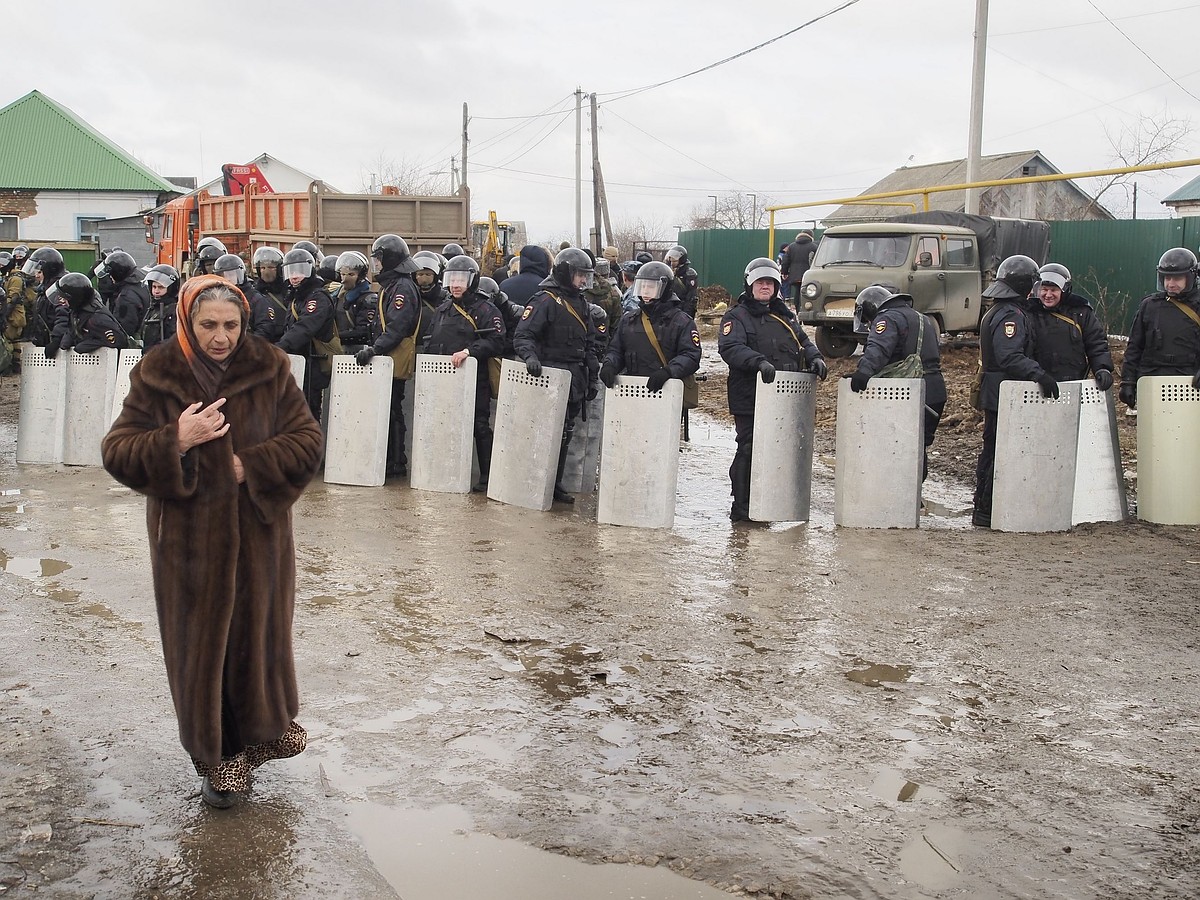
(405, 175)
(633, 235)
(1148, 140)
(730, 210)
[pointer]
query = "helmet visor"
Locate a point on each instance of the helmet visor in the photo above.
(457, 279)
(158, 278)
(31, 267)
(1055, 279)
(233, 275)
(291, 270)
(763, 271)
(648, 288)
(589, 277)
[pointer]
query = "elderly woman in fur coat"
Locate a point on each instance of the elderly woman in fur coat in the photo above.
(219, 438)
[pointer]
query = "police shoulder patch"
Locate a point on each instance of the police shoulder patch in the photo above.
(1010, 329)
(528, 312)
(310, 306)
(696, 335)
(270, 312)
(399, 304)
(602, 328)
(109, 336)
(558, 300)
(725, 329)
(880, 326)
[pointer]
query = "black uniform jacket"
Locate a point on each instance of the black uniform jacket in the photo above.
(400, 310)
(892, 335)
(753, 331)
(1006, 348)
(632, 353)
(1069, 340)
(471, 323)
(1163, 339)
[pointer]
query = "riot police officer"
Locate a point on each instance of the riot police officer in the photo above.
(90, 325)
(310, 330)
(428, 277)
(268, 279)
(510, 312)
(452, 250)
(759, 335)
(43, 268)
(1006, 353)
(1165, 336)
(895, 331)
(468, 324)
(207, 255)
(1068, 338)
(162, 314)
(687, 289)
(398, 318)
(264, 320)
(357, 304)
(130, 297)
(556, 329)
(659, 341)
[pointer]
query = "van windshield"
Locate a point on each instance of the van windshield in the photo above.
(883, 250)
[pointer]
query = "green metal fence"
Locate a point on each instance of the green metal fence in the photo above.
(1112, 262)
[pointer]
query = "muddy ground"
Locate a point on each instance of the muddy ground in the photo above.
(509, 704)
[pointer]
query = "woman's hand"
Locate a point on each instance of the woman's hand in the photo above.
(459, 358)
(199, 426)
(239, 471)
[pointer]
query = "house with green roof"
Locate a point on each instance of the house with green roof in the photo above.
(59, 177)
(1186, 200)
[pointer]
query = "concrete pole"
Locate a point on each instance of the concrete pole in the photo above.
(578, 167)
(595, 181)
(975, 136)
(462, 181)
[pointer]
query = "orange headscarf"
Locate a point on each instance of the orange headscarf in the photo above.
(207, 372)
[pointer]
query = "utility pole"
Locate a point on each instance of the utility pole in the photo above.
(754, 210)
(595, 181)
(975, 130)
(463, 180)
(578, 167)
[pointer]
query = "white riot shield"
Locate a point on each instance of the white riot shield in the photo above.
(781, 469)
(529, 427)
(639, 465)
(43, 400)
(583, 452)
(1099, 480)
(443, 432)
(358, 406)
(91, 382)
(1168, 435)
(298, 365)
(880, 438)
(1033, 488)
(126, 360)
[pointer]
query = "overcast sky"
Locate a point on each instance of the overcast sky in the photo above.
(336, 88)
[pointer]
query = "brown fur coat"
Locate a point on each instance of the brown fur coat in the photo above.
(221, 553)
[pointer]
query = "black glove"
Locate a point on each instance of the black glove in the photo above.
(858, 382)
(656, 380)
(608, 374)
(767, 371)
(1195, 380)
(1104, 379)
(593, 392)
(51, 349)
(533, 366)
(1049, 386)
(818, 368)
(363, 356)
(1128, 394)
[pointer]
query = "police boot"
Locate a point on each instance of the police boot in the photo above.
(739, 477)
(397, 461)
(483, 450)
(560, 493)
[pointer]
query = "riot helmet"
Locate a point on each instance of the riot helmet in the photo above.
(6, 261)
(488, 288)
(571, 262)
(267, 256)
(353, 263)
(231, 268)
(298, 262)
(19, 253)
(77, 288)
(1062, 282)
(1018, 273)
(461, 272)
(118, 265)
(643, 258)
(327, 271)
(46, 260)
(871, 300)
(762, 267)
(452, 250)
(211, 241)
(653, 282)
(206, 257)
(311, 248)
(1177, 261)
(163, 276)
(390, 249)
(676, 257)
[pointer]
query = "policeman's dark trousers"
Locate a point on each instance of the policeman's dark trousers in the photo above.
(739, 470)
(985, 469)
(573, 408)
(933, 415)
(315, 382)
(397, 459)
(483, 427)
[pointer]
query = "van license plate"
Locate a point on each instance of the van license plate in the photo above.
(840, 313)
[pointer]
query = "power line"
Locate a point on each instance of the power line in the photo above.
(554, 127)
(1159, 12)
(649, 87)
(527, 120)
(1143, 52)
(680, 152)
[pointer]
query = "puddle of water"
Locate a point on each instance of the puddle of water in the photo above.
(932, 858)
(876, 674)
(395, 717)
(892, 785)
(432, 854)
(30, 567)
